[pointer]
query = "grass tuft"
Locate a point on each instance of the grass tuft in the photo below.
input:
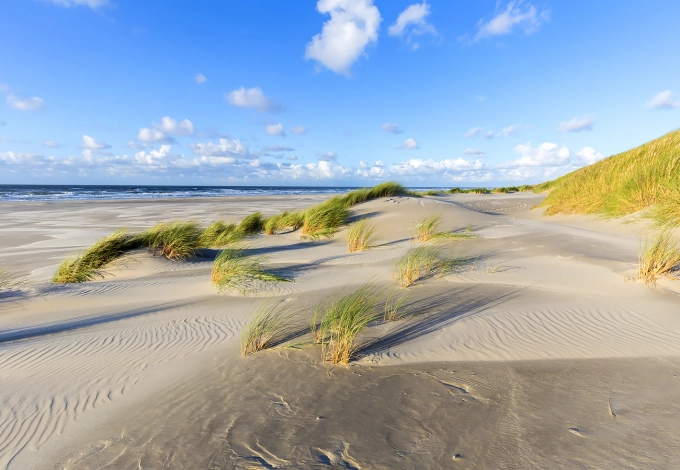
(251, 225)
(177, 240)
(343, 317)
(233, 269)
(325, 219)
(287, 220)
(89, 264)
(659, 255)
(426, 229)
(421, 262)
(361, 236)
(219, 234)
(269, 325)
(395, 308)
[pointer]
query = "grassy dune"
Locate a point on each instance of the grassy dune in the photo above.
(646, 177)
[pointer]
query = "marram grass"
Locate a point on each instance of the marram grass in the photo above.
(176, 240)
(266, 327)
(219, 234)
(89, 264)
(344, 316)
(234, 269)
(647, 176)
(426, 229)
(658, 255)
(361, 236)
(424, 261)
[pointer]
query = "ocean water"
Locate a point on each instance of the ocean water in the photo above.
(84, 192)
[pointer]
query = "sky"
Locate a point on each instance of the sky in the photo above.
(436, 93)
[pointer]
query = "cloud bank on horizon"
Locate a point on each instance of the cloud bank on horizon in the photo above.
(428, 92)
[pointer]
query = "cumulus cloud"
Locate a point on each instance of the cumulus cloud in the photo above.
(52, 144)
(94, 4)
(516, 15)
(298, 130)
(148, 135)
(546, 154)
(91, 146)
(172, 127)
(438, 168)
(577, 124)
(224, 148)
(409, 144)
(476, 152)
(663, 100)
(473, 132)
(253, 98)
(200, 78)
(489, 135)
(328, 157)
(275, 129)
(412, 22)
(352, 26)
(392, 128)
(28, 104)
(586, 156)
(292, 157)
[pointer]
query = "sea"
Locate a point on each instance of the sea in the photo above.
(21, 192)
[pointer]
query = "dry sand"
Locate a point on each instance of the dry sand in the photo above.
(539, 354)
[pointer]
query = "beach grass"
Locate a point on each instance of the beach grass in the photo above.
(286, 220)
(219, 234)
(467, 234)
(361, 236)
(176, 240)
(658, 255)
(267, 326)
(426, 229)
(251, 225)
(645, 177)
(325, 219)
(395, 306)
(424, 261)
(344, 317)
(234, 269)
(89, 264)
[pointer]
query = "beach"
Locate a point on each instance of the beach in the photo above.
(538, 351)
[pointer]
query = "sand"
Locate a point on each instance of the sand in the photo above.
(540, 352)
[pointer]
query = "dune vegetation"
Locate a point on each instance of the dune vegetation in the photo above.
(269, 325)
(423, 261)
(658, 255)
(644, 178)
(361, 236)
(180, 240)
(235, 269)
(428, 229)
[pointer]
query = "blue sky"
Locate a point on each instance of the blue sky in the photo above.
(330, 92)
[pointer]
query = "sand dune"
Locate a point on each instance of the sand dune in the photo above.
(511, 361)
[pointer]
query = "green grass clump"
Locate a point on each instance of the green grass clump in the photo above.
(426, 229)
(468, 191)
(89, 264)
(526, 188)
(234, 269)
(659, 255)
(431, 192)
(360, 236)
(395, 308)
(177, 240)
(325, 219)
(251, 225)
(266, 327)
(343, 317)
(421, 262)
(287, 220)
(219, 234)
(464, 235)
(646, 176)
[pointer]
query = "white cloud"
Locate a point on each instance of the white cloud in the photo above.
(439, 168)
(577, 124)
(392, 128)
(476, 152)
(489, 135)
(146, 134)
(275, 129)
(52, 144)
(292, 157)
(663, 100)
(225, 148)
(91, 146)
(409, 144)
(328, 157)
(94, 4)
(546, 154)
(172, 127)
(586, 156)
(28, 104)
(200, 78)
(253, 98)
(517, 14)
(278, 148)
(508, 131)
(412, 22)
(353, 24)
(473, 132)
(298, 130)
